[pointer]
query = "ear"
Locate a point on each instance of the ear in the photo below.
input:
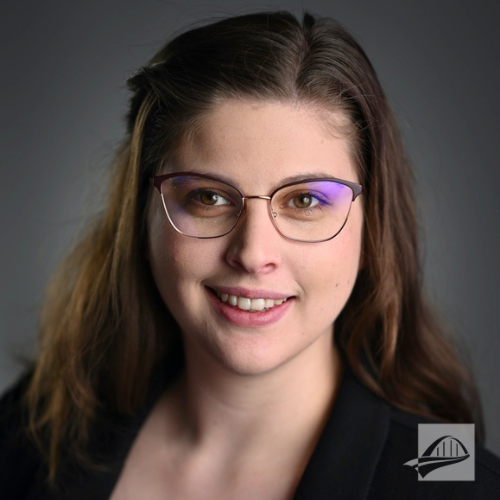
(146, 250)
(362, 260)
(147, 222)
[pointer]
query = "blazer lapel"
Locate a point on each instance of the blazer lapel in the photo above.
(350, 446)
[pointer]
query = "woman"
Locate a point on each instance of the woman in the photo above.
(245, 319)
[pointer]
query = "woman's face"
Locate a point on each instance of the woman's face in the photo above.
(257, 145)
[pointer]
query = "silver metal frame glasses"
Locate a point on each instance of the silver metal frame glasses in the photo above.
(310, 210)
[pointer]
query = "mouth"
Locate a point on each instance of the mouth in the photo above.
(255, 305)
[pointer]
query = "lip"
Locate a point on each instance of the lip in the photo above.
(250, 293)
(241, 318)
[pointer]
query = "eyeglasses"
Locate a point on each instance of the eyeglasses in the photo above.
(310, 210)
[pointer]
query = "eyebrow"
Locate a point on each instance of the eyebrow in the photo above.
(305, 176)
(287, 180)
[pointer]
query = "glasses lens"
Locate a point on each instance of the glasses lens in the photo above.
(312, 211)
(200, 207)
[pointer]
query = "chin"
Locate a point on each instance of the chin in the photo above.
(253, 355)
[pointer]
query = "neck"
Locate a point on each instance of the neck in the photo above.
(285, 407)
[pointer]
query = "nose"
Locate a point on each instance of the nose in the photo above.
(255, 243)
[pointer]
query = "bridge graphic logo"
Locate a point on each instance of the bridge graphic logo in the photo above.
(454, 444)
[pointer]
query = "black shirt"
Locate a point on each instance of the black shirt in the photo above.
(360, 455)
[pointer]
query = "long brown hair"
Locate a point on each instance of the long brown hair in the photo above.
(104, 327)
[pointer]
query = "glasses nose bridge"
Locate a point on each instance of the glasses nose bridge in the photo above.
(256, 197)
(259, 197)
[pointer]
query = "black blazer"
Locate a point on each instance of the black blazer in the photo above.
(360, 455)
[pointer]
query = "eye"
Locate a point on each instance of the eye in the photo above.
(303, 200)
(210, 198)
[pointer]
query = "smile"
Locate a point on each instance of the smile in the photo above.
(250, 305)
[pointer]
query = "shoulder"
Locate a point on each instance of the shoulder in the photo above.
(20, 462)
(392, 479)
(363, 449)
(23, 471)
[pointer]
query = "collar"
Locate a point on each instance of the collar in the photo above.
(344, 461)
(341, 466)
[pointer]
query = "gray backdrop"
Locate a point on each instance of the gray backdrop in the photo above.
(63, 99)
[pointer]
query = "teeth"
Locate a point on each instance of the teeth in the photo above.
(246, 304)
(257, 304)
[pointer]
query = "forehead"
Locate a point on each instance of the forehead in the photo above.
(264, 143)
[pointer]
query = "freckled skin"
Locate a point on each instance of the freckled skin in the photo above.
(257, 145)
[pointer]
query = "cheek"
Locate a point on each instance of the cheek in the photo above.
(170, 260)
(178, 263)
(329, 270)
(170, 272)
(165, 252)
